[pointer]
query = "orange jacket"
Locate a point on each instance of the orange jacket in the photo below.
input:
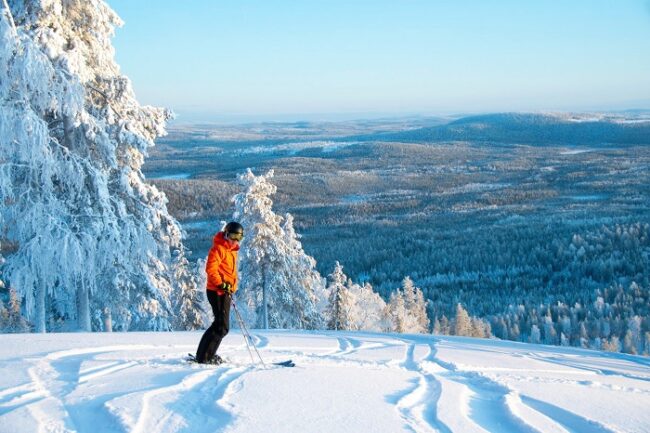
(221, 266)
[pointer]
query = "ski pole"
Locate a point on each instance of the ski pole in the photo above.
(245, 332)
(248, 346)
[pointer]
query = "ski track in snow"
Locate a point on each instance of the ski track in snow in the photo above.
(418, 404)
(599, 371)
(97, 389)
(515, 413)
(487, 404)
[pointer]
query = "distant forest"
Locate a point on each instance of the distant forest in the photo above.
(543, 233)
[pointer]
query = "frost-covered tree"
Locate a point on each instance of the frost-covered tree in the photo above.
(11, 319)
(550, 334)
(445, 326)
(633, 342)
(416, 306)
(340, 307)
(613, 344)
(462, 322)
(629, 343)
(398, 314)
(407, 309)
(564, 341)
(368, 308)
(279, 282)
(535, 335)
(189, 309)
(480, 328)
(89, 234)
(305, 302)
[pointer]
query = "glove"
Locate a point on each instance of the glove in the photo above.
(226, 287)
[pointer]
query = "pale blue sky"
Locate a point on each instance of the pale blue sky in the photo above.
(275, 60)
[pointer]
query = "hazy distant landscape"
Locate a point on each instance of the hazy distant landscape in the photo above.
(524, 208)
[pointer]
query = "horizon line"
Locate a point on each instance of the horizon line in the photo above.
(184, 117)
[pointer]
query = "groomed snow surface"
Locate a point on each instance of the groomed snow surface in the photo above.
(343, 382)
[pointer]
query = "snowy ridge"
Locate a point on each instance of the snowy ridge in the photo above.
(344, 381)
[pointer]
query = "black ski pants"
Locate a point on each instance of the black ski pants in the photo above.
(214, 334)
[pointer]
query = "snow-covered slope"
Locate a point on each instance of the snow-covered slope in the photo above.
(343, 382)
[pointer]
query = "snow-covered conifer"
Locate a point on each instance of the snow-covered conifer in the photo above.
(535, 335)
(416, 306)
(462, 322)
(635, 335)
(340, 302)
(398, 313)
(550, 334)
(90, 235)
(445, 326)
(514, 332)
(368, 308)
(279, 282)
(584, 336)
(613, 344)
(305, 303)
(564, 341)
(479, 328)
(436, 327)
(629, 345)
(189, 310)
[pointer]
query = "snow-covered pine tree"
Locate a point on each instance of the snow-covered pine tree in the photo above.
(445, 325)
(613, 344)
(397, 313)
(305, 308)
(416, 305)
(279, 282)
(462, 322)
(550, 334)
(407, 309)
(89, 234)
(535, 335)
(368, 309)
(189, 309)
(480, 328)
(629, 345)
(340, 302)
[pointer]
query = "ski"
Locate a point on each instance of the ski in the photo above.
(192, 359)
(288, 363)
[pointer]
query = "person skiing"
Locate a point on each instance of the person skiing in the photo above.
(221, 269)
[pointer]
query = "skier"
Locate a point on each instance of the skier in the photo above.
(221, 268)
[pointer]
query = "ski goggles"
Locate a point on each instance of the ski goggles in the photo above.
(235, 236)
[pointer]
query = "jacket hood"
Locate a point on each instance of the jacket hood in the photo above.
(219, 239)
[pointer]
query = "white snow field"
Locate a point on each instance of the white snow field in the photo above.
(343, 382)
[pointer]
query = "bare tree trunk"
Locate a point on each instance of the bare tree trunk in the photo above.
(39, 322)
(83, 309)
(108, 320)
(265, 301)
